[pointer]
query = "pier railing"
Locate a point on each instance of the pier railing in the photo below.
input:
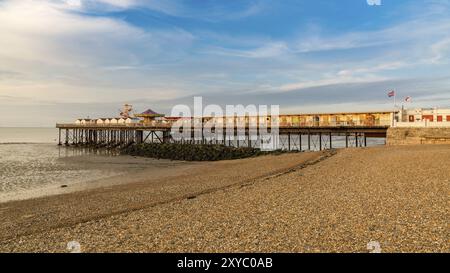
(167, 125)
(113, 125)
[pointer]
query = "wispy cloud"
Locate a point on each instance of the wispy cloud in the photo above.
(57, 52)
(441, 51)
(425, 28)
(52, 34)
(205, 10)
(266, 51)
(420, 32)
(82, 53)
(338, 80)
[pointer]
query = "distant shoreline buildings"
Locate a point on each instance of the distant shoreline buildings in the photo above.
(423, 117)
(428, 114)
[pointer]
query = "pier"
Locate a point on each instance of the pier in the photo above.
(296, 132)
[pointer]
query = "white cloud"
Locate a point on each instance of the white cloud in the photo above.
(372, 69)
(222, 14)
(181, 8)
(44, 32)
(441, 52)
(58, 52)
(338, 79)
(423, 29)
(168, 7)
(416, 39)
(120, 3)
(62, 55)
(74, 3)
(269, 50)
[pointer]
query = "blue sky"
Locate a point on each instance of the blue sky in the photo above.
(64, 59)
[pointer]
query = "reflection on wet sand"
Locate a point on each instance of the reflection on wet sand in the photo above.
(32, 170)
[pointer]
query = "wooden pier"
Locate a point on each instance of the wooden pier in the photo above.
(294, 132)
(291, 137)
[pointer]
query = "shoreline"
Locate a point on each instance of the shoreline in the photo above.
(296, 203)
(66, 170)
(161, 169)
(66, 209)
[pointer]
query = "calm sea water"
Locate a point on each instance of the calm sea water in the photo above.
(28, 135)
(32, 164)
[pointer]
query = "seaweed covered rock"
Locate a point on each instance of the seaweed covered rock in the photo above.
(189, 152)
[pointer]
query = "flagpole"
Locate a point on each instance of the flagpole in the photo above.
(395, 109)
(395, 100)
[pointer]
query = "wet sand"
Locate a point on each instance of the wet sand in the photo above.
(117, 171)
(309, 202)
(35, 170)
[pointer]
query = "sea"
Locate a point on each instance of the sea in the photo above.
(32, 164)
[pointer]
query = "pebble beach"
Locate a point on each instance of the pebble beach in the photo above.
(330, 201)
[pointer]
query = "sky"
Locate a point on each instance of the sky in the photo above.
(65, 59)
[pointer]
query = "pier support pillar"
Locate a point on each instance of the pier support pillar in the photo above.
(140, 136)
(320, 141)
(309, 141)
(166, 136)
(331, 140)
(67, 137)
(300, 142)
(289, 141)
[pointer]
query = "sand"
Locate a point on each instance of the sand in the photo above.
(309, 202)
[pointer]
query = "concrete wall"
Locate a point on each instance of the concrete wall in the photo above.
(406, 136)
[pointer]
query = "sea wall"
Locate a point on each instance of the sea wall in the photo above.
(407, 136)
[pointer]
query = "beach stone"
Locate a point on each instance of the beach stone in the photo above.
(340, 203)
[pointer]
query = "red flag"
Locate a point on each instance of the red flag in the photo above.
(391, 94)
